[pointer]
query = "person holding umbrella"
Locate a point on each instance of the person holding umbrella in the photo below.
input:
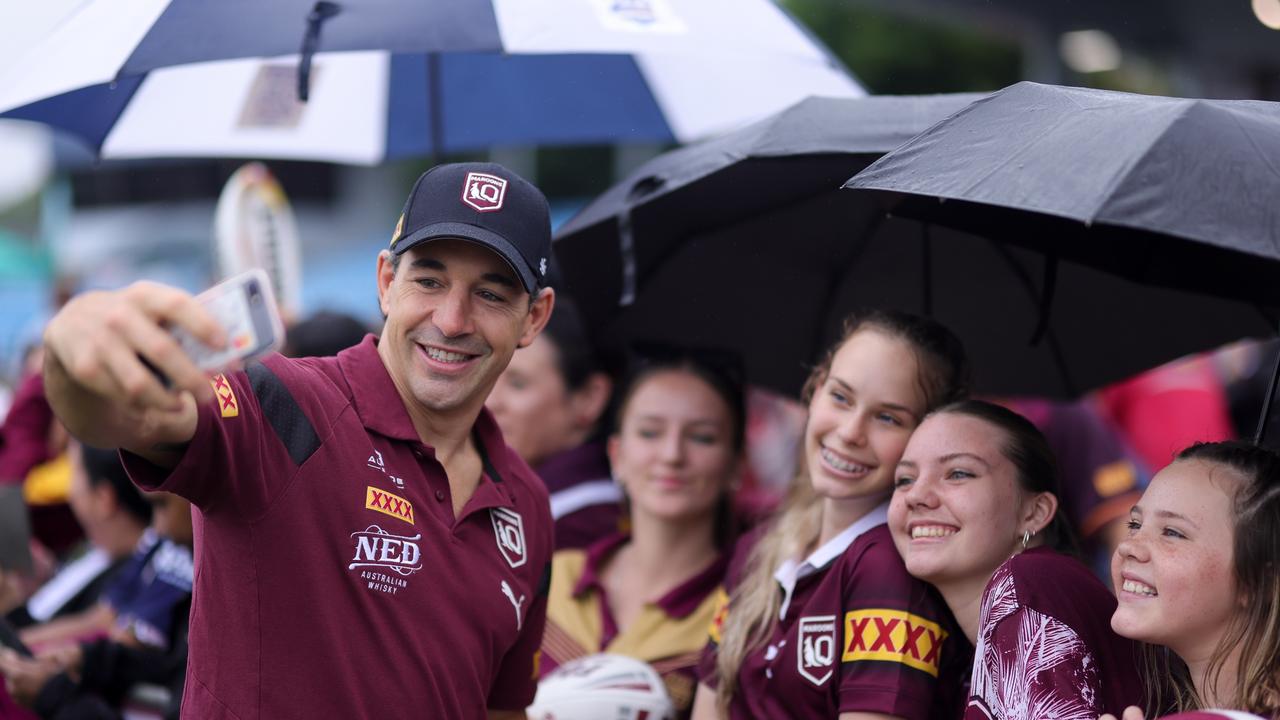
(1197, 581)
(822, 619)
(368, 544)
(975, 513)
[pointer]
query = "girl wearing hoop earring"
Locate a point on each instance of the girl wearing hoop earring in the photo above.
(975, 513)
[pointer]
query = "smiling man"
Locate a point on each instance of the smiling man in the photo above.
(367, 544)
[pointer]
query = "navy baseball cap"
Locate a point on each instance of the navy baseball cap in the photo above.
(484, 203)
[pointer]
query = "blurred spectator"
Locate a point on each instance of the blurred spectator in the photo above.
(32, 454)
(1246, 368)
(549, 403)
(322, 334)
(651, 594)
(1169, 408)
(93, 680)
(114, 517)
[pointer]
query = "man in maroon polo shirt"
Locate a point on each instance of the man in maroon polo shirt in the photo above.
(366, 543)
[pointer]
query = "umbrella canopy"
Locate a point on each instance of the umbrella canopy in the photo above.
(1168, 191)
(613, 245)
(397, 78)
(775, 280)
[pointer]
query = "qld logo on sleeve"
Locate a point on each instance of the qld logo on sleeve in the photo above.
(508, 528)
(484, 192)
(893, 636)
(816, 648)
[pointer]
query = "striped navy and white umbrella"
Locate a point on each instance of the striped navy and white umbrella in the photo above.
(392, 78)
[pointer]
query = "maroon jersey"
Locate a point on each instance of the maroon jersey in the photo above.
(332, 578)
(1045, 645)
(856, 634)
(586, 503)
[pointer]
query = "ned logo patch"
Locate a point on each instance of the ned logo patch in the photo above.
(508, 528)
(484, 192)
(816, 648)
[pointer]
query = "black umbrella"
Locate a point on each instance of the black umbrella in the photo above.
(774, 280)
(1168, 192)
(611, 248)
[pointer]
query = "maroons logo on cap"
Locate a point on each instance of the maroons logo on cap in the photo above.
(484, 192)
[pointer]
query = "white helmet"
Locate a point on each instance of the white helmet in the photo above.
(602, 687)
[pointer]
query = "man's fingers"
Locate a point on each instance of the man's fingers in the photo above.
(178, 309)
(134, 383)
(167, 357)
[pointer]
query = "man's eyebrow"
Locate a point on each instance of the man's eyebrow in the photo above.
(502, 279)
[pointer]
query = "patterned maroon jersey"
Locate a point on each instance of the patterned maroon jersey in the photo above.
(1045, 645)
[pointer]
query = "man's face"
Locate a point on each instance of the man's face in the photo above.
(455, 314)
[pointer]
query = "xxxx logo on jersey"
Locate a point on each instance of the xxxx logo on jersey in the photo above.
(388, 504)
(894, 636)
(722, 614)
(227, 404)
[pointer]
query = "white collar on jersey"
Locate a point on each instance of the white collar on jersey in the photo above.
(791, 572)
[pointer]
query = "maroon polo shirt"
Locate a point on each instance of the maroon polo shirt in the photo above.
(332, 579)
(1045, 644)
(858, 634)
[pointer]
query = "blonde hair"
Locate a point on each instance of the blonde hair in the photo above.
(943, 378)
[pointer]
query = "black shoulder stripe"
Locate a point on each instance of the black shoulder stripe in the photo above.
(281, 410)
(544, 583)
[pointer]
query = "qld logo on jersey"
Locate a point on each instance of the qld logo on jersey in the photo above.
(484, 192)
(816, 648)
(508, 528)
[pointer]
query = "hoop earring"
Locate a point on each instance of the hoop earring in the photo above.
(1026, 538)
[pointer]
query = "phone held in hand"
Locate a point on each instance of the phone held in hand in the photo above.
(246, 307)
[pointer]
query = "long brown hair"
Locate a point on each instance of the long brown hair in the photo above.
(943, 378)
(1255, 630)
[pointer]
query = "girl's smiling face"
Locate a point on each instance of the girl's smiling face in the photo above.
(1174, 574)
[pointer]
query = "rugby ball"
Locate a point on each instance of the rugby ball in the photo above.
(602, 687)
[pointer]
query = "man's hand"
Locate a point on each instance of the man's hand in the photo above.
(24, 677)
(96, 378)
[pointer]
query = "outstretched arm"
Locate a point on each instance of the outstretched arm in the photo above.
(99, 386)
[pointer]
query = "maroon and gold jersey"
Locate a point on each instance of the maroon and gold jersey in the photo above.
(668, 633)
(332, 578)
(856, 634)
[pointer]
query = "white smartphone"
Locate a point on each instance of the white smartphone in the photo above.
(246, 307)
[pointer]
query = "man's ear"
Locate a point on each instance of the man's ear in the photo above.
(386, 274)
(539, 314)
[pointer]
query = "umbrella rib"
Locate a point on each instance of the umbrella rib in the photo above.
(1055, 349)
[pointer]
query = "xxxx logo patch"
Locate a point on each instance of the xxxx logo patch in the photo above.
(388, 504)
(893, 636)
(227, 404)
(722, 614)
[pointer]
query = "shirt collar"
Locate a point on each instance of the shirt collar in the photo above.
(372, 391)
(677, 603)
(790, 572)
(381, 409)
